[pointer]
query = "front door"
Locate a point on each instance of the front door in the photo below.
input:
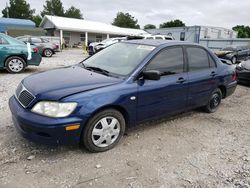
(167, 95)
(4, 50)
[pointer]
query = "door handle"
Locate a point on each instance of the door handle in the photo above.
(213, 74)
(180, 80)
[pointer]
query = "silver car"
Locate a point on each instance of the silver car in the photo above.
(46, 48)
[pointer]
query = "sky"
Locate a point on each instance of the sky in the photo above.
(220, 13)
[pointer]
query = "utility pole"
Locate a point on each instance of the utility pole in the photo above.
(7, 9)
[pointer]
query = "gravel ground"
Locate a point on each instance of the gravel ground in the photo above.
(193, 149)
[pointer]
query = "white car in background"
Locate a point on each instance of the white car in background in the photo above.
(95, 47)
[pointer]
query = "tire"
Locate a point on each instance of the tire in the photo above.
(234, 60)
(103, 131)
(15, 64)
(214, 101)
(47, 52)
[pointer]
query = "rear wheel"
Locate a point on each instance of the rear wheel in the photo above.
(103, 131)
(47, 52)
(15, 64)
(214, 101)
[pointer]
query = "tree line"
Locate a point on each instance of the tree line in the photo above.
(21, 9)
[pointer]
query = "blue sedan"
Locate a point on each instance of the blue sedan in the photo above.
(123, 85)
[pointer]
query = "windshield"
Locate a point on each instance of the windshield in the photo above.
(119, 59)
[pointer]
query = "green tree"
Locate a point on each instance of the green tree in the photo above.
(172, 23)
(37, 19)
(73, 12)
(125, 20)
(149, 26)
(18, 9)
(53, 7)
(243, 31)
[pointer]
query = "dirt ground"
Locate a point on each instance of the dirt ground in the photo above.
(194, 149)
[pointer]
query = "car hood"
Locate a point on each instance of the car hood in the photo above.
(59, 83)
(222, 53)
(246, 65)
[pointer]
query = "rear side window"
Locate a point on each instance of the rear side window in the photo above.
(169, 61)
(211, 62)
(36, 40)
(197, 59)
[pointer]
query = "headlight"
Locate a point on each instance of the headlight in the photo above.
(54, 109)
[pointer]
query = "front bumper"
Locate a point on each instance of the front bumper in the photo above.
(244, 76)
(43, 129)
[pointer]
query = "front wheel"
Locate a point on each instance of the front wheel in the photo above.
(103, 131)
(214, 101)
(15, 64)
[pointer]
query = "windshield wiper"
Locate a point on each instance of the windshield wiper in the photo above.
(97, 69)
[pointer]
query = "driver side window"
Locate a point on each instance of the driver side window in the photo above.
(169, 61)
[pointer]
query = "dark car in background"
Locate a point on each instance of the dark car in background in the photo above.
(46, 48)
(123, 85)
(234, 53)
(15, 56)
(243, 72)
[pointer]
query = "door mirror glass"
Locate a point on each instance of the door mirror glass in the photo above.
(152, 75)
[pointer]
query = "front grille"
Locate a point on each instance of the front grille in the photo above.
(24, 96)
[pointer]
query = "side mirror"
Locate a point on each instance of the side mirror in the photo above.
(151, 75)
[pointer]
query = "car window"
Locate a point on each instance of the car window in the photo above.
(168, 38)
(197, 59)
(212, 63)
(168, 61)
(36, 40)
(149, 38)
(23, 39)
(158, 38)
(3, 41)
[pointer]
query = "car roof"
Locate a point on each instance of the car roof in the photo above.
(157, 43)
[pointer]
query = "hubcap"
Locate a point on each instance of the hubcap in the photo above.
(48, 53)
(215, 101)
(16, 65)
(105, 131)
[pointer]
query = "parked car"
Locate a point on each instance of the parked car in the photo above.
(243, 72)
(123, 85)
(234, 53)
(15, 55)
(95, 47)
(46, 48)
(53, 40)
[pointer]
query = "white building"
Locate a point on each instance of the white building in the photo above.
(196, 33)
(74, 30)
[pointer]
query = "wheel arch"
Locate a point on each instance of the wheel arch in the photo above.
(119, 108)
(23, 56)
(223, 90)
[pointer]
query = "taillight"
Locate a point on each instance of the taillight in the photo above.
(234, 76)
(35, 50)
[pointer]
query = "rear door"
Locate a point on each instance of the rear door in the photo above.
(202, 75)
(167, 95)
